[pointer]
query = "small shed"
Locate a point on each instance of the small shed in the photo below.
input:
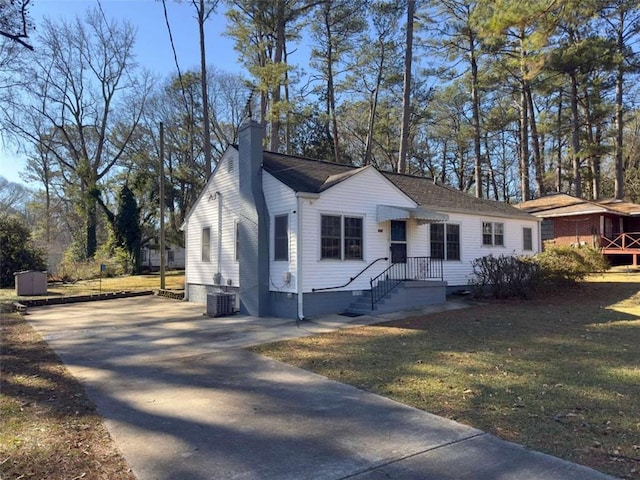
(30, 282)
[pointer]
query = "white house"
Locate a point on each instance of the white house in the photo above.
(296, 237)
(150, 256)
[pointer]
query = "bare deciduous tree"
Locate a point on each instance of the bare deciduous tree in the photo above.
(86, 103)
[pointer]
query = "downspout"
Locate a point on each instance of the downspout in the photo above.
(299, 258)
(219, 199)
(185, 229)
(300, 197)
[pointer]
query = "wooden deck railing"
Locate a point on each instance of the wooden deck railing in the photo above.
(623, 241)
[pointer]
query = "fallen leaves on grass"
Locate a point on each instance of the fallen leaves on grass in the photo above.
(49, 429)
(558, 374)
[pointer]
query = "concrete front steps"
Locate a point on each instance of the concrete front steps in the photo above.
(407, 295)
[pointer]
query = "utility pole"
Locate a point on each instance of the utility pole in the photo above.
(162, 252)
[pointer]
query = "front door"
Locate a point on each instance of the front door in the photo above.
(398, 241)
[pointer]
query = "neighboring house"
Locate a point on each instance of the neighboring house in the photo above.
(610, 225)
(150, 257)
(296, 237)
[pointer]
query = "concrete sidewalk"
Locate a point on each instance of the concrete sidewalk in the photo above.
(183, 400)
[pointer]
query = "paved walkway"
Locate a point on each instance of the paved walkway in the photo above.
(184, 401)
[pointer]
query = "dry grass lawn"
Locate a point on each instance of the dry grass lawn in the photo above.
(560, 374)
(49, 429)
(173, 281)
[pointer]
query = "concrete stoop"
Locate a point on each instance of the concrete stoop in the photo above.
(407, 295)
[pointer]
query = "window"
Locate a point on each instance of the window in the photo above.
(330, 237)
(527, 238)
(437, 240)
(171, 256)
(493, 234)
(237, 242)
(352, 238)
(206, 244)
(341, 237)
(453, 242)
(498, 234)
(281, 238)
(445, 247)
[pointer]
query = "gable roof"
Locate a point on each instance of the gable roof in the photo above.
(315, 176)
(565, 205)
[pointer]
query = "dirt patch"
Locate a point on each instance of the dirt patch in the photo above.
(49, 429)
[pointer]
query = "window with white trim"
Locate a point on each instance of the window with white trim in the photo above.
(281, 237)
(527, 238)
(206, 244)
(445, 241)
(493, 234)
(341, 237)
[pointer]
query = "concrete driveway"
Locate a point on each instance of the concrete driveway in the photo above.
(183, 400)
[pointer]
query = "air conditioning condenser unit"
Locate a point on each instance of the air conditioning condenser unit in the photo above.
(220, 304)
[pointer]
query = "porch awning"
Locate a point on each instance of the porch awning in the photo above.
(419, 214)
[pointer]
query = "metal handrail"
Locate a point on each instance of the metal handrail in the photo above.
(352, 278)
(414, 268)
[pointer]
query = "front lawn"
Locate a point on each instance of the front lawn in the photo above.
(560, 374)
(173, 281)
(49, 429)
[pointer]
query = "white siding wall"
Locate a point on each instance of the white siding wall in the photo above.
(459, 272)
(281, 200)
(222, 187)
(356, 196)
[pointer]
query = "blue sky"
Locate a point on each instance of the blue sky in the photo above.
(153, 48)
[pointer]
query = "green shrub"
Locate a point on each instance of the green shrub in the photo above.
(565, 264)
(17, 252)
(511, 276)
(116, 262)
(504, 276)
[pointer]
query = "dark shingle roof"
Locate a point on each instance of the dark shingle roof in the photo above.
(303, 174)
(314, 176)
(441, 197)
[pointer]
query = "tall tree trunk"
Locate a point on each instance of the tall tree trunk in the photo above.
(372, 112)
(206, 124)
(406, 92)
(443, 169)
(287, 130)
(331, 93)
(559, 151)
(538, 162)
(575, 136)
(275, 89)
(592, 160)
(92, 225)
(475, 105)
(525, 189)
(619, 171)
(491, 180)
